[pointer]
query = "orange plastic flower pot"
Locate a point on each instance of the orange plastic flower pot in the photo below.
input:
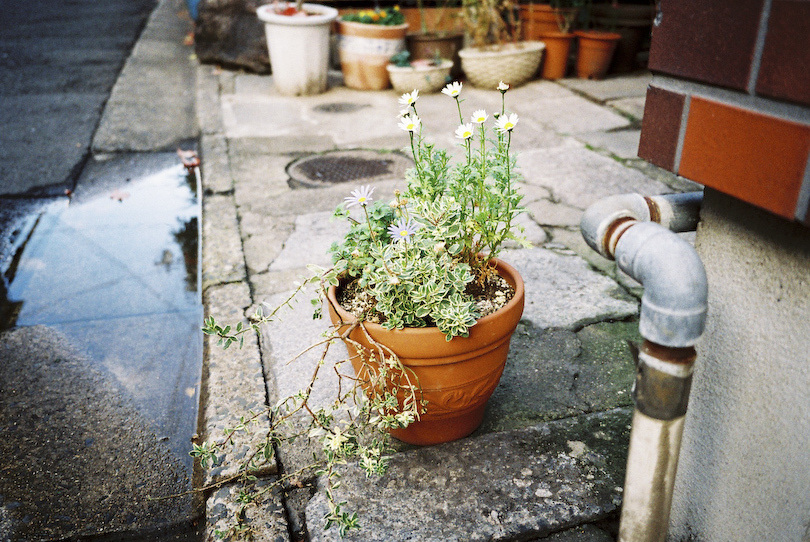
(456, 378)
(555, 62)
(537, 19)
(595, 53)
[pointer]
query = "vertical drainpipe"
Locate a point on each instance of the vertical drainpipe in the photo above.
(638, 233)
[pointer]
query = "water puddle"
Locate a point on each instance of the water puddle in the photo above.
(115, 270)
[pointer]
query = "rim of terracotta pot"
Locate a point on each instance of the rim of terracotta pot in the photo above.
(318, 15)
(556, 35)
(598, 35)
(417, 342)
(536, 7)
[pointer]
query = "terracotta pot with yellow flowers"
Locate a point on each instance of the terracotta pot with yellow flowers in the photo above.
(366, 42)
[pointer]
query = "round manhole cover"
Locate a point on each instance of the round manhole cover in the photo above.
(340, 107)
(330, 168)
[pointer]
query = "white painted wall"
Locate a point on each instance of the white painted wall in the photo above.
(744, 472)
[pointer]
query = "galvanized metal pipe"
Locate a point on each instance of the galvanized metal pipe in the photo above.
(638, 233)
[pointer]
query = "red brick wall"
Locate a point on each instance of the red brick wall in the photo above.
(729, 105)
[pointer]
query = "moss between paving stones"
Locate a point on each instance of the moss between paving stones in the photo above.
(553, 374)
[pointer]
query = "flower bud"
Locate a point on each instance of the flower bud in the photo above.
(355, 253)
(438, 248)
(393, 280)
(393, 204)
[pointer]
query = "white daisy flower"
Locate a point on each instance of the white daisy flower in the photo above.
(464, 131)
(506, 122)
(410, 123)
(503, 87)
(361, 196)
(479, 117)
(452, 89)
(409, 98)
(402, 230)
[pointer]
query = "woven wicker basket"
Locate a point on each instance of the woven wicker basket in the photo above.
(421, 76)
(512, 63)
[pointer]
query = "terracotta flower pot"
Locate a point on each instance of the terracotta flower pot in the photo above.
(555, 61)
(447, 44)
(633, 23)
(457, 377)
(365, 50)
(537, 19)
(595, 53)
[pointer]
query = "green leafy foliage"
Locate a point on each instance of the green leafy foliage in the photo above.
(464, 212)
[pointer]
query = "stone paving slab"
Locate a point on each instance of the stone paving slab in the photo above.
(547, 213)
(255, 110)
(502, 486)
(621, 143)
(579, 177)
(584, 533)
(569, 360)
(286, 119)
(133, 119)
(206, 102)
(555, 373)
(223, 260)
(611, 88)
(632, 107)
(264, 519)
(569, 115)
(234, 384)
(564, 292)
(215, 167)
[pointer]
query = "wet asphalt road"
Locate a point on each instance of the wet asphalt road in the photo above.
(59, 60)
(83, 459)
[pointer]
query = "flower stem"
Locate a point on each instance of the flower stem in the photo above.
(508, 164)
(483, 154)
(416, 158)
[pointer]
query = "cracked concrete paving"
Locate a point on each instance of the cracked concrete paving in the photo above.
(551, 448)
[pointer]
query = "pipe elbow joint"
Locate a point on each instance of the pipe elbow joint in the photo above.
(674, 303)
(602, 217)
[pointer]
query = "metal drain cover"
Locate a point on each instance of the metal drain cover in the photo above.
(320, 170)
(340, 107)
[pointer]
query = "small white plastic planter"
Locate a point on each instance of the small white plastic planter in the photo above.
(298, 46)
